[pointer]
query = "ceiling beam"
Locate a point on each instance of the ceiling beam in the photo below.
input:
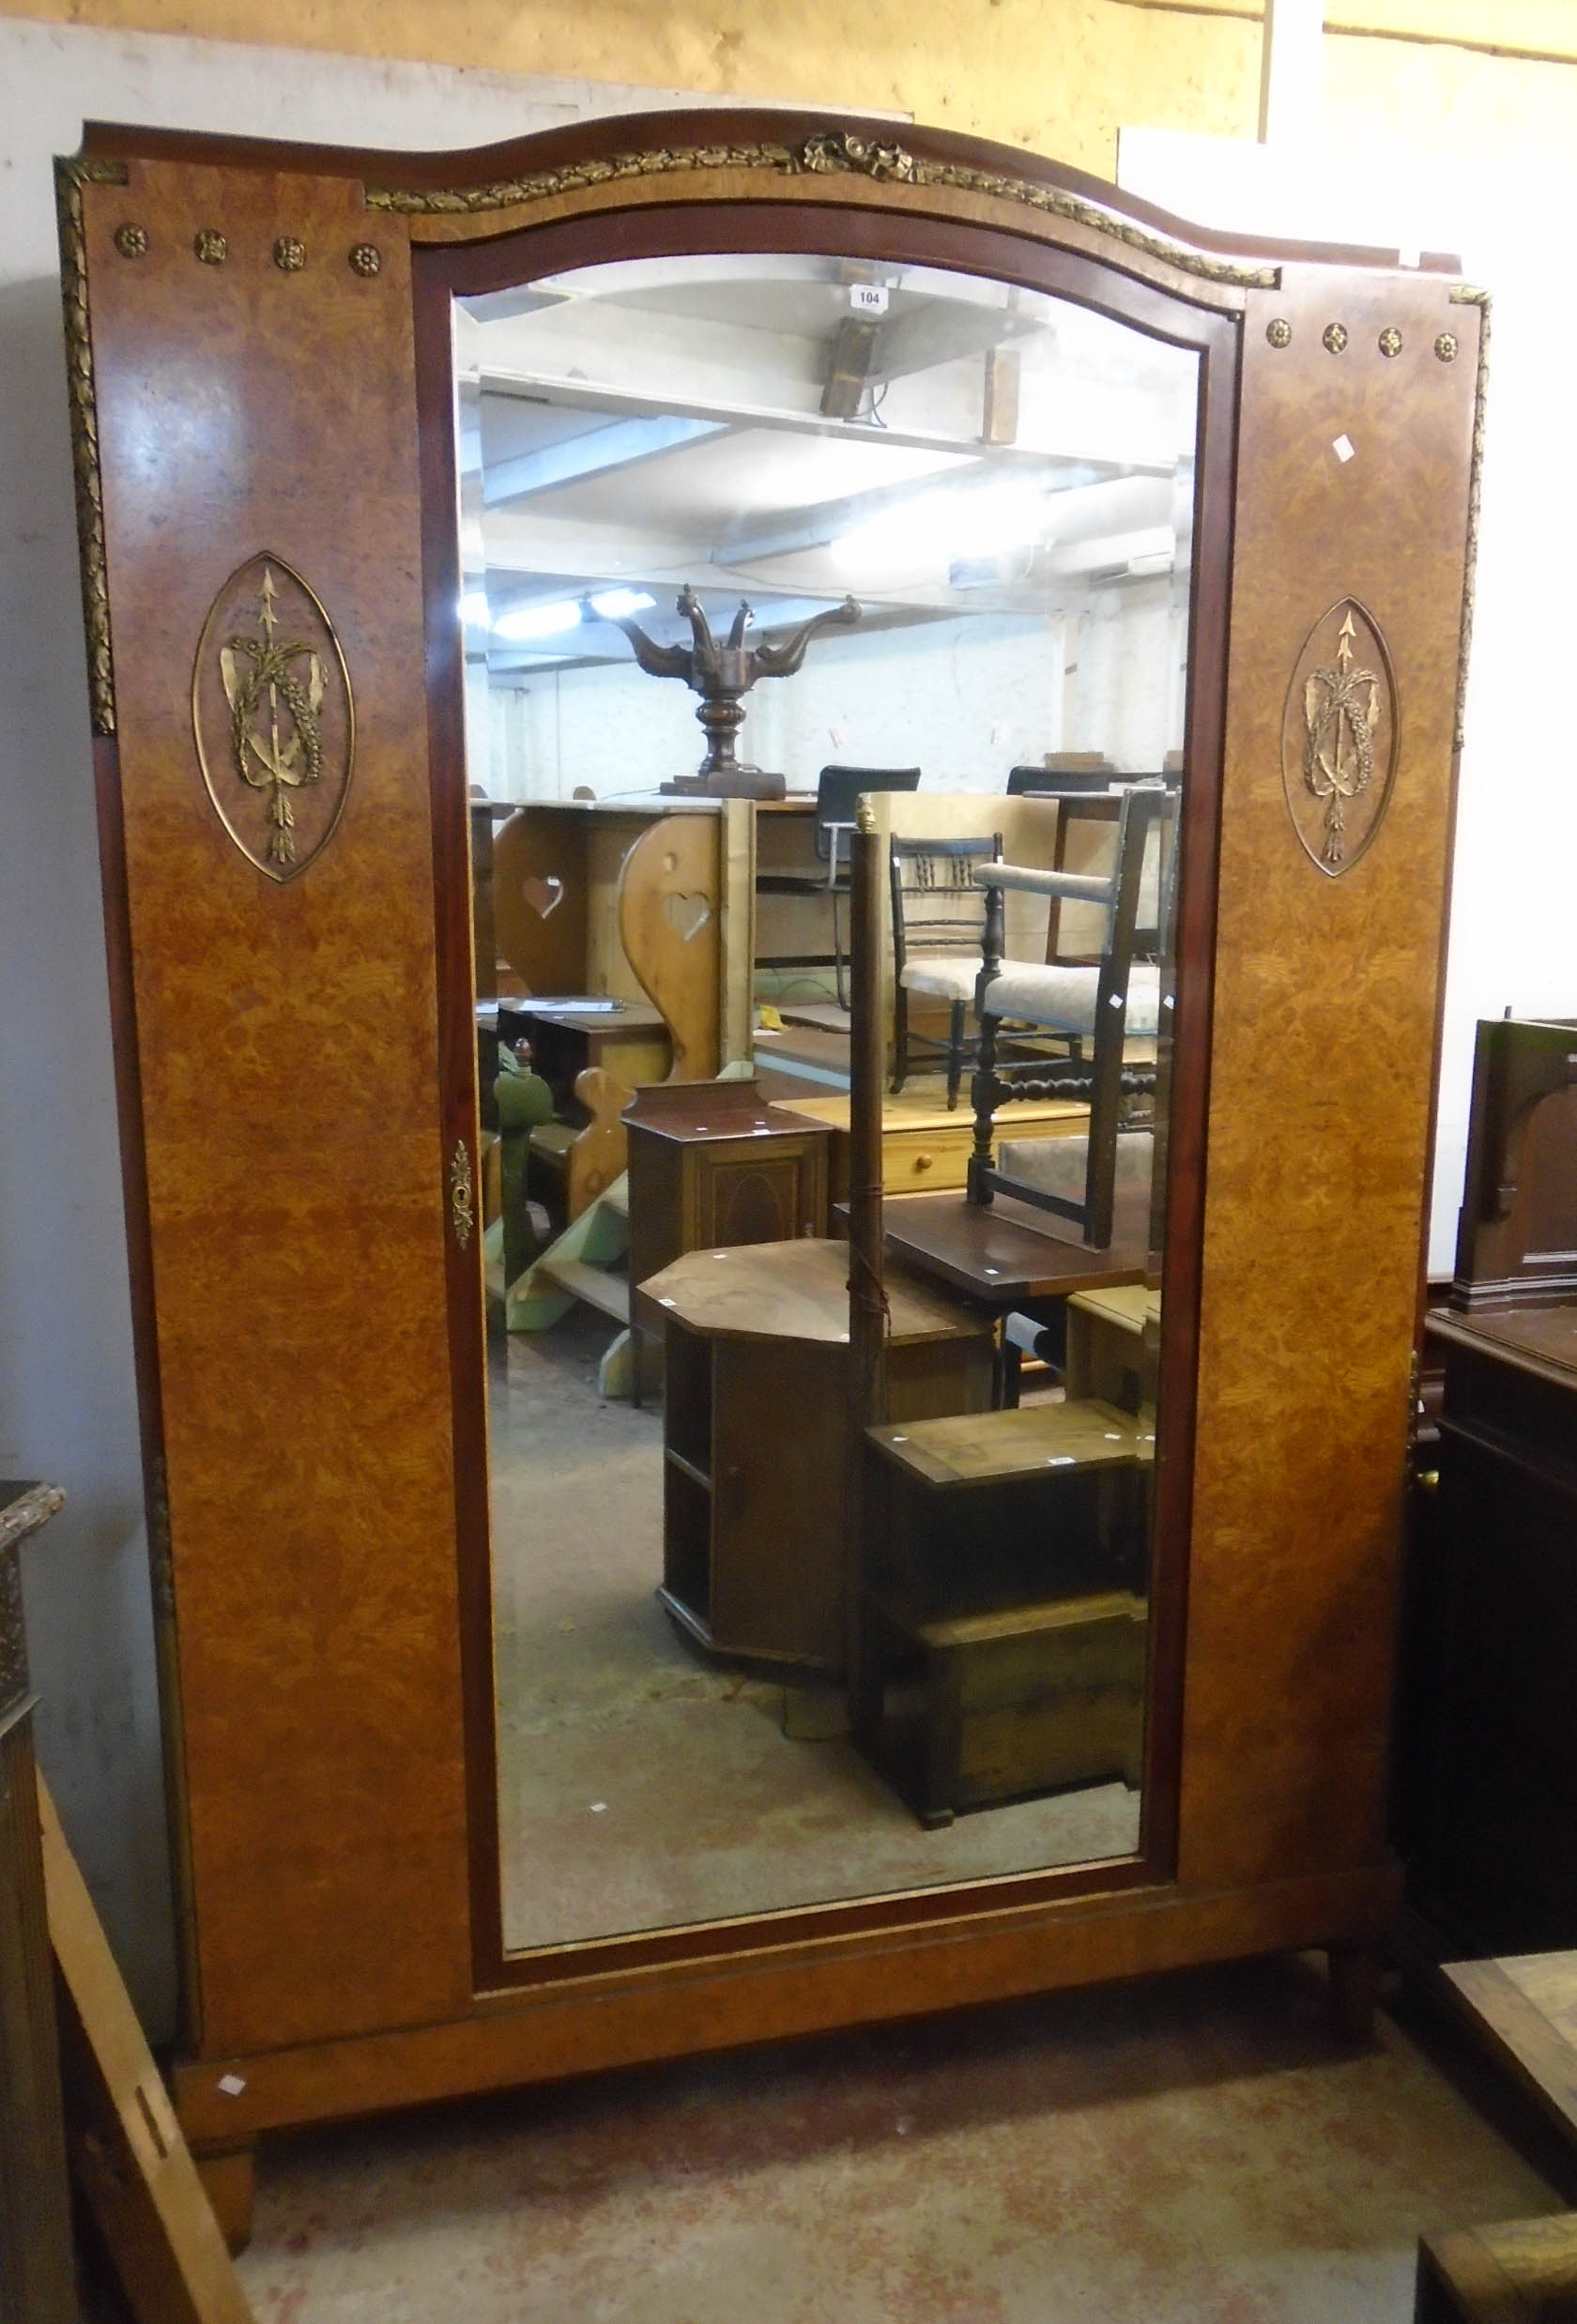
(600, 451)
(924, 338)
(829, 522)
(582, 395)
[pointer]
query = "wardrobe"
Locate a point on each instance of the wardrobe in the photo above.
(263, 410)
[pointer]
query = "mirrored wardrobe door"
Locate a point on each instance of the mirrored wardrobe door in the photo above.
(927, 536)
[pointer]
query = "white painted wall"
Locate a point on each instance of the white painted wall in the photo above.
(961, 698)
(965, 699)
(67, 1400)
(1513, 940)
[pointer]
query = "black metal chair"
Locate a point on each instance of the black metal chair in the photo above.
(1125, 996)
(1097, 774)
(837, 789)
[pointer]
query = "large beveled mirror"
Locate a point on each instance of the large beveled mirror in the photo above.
(944, 521)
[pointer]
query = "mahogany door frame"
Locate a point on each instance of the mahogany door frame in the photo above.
(446, 271)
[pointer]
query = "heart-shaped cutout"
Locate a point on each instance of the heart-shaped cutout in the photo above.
(688, 914)
(543, 895)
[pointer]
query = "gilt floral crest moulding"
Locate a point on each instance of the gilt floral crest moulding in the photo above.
(828, 153)
(273, 716)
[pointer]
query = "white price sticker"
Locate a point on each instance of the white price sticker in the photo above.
(868, 297)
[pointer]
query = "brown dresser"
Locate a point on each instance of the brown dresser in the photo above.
(37, 2283)
(1493, 1869)
(1490, 1747)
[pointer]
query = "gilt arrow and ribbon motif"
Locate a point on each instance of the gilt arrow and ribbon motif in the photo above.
(1338, 738)
(273, 716)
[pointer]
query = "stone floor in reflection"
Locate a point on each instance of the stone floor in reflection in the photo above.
(640, 1786)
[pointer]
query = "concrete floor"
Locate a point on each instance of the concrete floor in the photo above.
(641, 1784)
(1197, 2149)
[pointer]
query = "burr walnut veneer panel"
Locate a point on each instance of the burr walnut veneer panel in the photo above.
(1325, 998)
(287, 1039)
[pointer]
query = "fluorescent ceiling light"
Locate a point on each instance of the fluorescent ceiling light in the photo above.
(619, 605)
(952, 524)
(475, 611)
(523, 621)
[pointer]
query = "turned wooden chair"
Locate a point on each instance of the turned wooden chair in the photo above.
(939, 928)
(1099, 1008)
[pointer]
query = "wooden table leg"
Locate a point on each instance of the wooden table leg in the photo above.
(1355, 1989)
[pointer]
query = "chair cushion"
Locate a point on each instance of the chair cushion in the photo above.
(1058, 1165)
(950, 975)
(1064, 998)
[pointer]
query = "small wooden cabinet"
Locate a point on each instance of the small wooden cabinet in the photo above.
(1114, 1346)
(756, 1436)
(712, 1164)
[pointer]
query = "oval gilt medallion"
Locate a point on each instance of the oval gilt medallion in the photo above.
(1338, 737)
(273, 717)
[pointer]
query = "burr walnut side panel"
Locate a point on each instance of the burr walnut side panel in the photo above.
(1352, 500)
(252, 342)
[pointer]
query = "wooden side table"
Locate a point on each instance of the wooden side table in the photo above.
(712, 1164)
(756, 1429)
(1521, 2271)
(1524, 2272)
(38, 2277)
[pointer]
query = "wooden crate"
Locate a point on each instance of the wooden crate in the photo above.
(974, 1710)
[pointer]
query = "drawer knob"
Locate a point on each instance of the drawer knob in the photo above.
(923, 1161)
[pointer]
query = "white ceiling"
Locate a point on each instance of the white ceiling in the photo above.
(655, 423)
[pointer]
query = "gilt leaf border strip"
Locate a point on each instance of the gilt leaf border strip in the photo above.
(829, 152)
(70, 177)
(1469, 295)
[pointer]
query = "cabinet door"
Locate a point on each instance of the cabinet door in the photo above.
(766, 1191)
(253, 584)
(1493, 1863)
(779, 1449)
